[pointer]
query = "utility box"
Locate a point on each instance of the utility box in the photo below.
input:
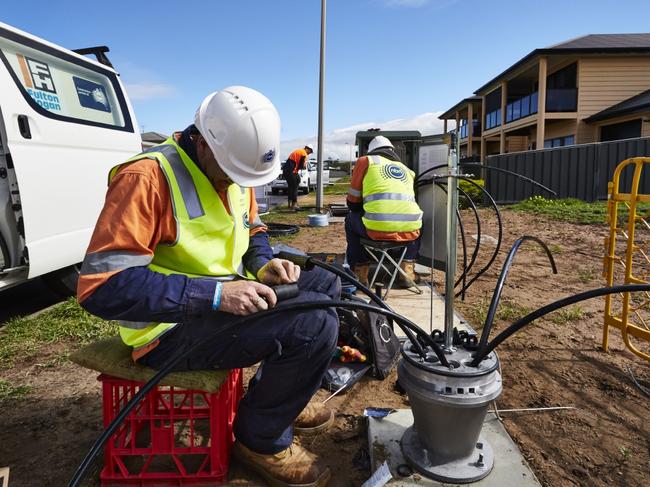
(406, 143)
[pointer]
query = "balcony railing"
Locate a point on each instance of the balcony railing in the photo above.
(562, 100)
(521, 108)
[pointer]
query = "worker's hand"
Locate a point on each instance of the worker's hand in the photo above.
(246, 297)
(278, 271)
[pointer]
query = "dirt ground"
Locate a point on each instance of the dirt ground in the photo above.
(604, 441)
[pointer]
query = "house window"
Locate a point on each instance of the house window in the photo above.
(562, 90)
(623, 130)
(493, 109)
(559, 141)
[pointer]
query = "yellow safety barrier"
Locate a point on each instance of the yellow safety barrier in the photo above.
(629, 312)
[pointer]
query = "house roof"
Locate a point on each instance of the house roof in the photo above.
(635, 104)
(153, 137)
(453, 109)
(589, 44)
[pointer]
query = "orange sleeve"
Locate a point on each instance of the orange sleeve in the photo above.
(256, 224)
(356, 182)
(137, 215)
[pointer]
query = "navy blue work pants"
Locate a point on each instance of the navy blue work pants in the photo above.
(355, 230)
(294, 349)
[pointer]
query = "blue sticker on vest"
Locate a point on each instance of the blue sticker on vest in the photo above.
(247, 224)
(393, 171)
(91, 95)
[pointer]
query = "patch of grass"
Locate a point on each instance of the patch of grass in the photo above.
(586, 275)
(567, 315)
(285, 239)
(626, 453)
(67, 321)
(9, 392)
(573, 210)
(506, 311)
(280, 214)
(341, 186)
(570, 210)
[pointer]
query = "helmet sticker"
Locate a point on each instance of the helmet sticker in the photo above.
(268, 156)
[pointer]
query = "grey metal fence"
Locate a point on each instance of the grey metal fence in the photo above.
(580, 171)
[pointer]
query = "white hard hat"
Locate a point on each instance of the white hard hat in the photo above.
(310, 147)
(242, 128)
(377, 142)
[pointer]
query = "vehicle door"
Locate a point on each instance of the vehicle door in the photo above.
(67, 123)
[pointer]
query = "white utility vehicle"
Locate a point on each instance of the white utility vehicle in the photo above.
(308, 179)
(65, 120)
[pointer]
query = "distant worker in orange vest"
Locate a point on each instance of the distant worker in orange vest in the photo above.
(296, 161)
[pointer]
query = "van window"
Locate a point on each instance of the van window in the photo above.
(60, 86)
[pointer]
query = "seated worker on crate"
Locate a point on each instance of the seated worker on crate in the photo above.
(382, 206)
(179, 251)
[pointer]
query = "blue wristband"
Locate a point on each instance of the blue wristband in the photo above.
(216, 300)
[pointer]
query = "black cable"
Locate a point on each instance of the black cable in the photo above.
(499, 238)
(169, 366)
(280, 229)
(463, 276)
(491, 168)
(499, 220)
(519, 324)
(496, 295)
(306, 262)
(478, 242)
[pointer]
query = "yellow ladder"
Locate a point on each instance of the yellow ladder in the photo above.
(631, 316)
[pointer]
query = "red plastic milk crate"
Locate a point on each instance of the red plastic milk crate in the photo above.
(173, 437)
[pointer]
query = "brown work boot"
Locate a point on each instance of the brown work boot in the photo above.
(408, 266)
(361, 270)
(316, 417)
(294, 466)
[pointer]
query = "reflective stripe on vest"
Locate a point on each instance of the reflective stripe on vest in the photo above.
(210, 240)
(389, 198)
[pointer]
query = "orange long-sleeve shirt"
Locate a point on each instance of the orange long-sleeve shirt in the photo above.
(138, 215)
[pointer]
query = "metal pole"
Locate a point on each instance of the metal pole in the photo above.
(321, 90)
(450, 274)
(350, 165)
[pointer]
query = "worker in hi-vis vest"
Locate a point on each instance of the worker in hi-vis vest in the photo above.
(382, 206)
(296, 161)
(179, 251)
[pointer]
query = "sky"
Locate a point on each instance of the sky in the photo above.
(392, 64)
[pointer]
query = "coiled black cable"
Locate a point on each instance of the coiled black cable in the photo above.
(306, 262)
(491, 168)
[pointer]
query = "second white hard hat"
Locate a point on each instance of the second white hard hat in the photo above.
(310, 147)
(242, 128)
(379, 141)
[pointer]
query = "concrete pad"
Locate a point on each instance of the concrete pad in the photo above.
(510, 468)
(418, 308)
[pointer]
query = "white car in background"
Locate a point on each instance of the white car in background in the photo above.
(308, 179)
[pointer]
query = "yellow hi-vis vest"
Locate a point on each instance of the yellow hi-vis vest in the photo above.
(389, 198)
(210, 241)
